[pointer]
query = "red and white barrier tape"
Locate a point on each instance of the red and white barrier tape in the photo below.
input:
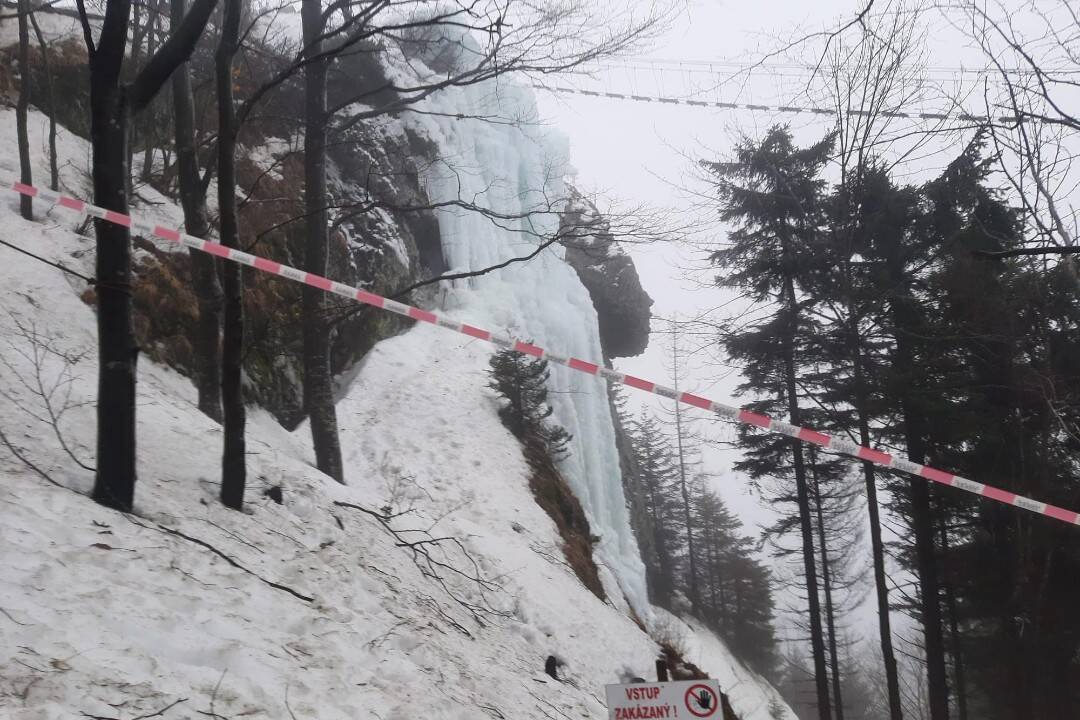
(730, 412)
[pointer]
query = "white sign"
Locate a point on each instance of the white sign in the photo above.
(684, 699)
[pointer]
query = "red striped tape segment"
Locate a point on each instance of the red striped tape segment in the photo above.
(730, 412)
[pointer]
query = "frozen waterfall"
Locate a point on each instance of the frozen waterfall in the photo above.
(516, 169)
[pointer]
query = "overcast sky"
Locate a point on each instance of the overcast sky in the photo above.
(632, 152)
(643, 153)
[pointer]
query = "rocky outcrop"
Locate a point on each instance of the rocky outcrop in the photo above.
(384, 236)
(609, 274)
(623, 312)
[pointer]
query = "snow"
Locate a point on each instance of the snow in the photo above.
(54, 26)
(111, 615)
(267, 156)
(749, 693)
(517, 169)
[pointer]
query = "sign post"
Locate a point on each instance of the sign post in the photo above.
(682, 700)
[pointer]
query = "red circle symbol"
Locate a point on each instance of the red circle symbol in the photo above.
(701, 701)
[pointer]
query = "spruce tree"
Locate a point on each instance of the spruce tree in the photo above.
(851, 352)
(773, 195)
(659, 479)
(736, 589)
(1010, 331)
(522, 382)
(893, 226)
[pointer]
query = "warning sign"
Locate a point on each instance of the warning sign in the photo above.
(701, 700)
(687, 699)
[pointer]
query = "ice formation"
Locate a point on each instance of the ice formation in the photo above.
(517, 170)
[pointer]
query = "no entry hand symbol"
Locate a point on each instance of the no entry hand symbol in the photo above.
(701, 701)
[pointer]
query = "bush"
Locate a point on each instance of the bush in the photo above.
(523, 383)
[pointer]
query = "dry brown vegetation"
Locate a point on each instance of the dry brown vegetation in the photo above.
(558, 501)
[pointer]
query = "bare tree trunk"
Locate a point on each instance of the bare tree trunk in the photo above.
(26, 203)
(150, 122)
(50, 96)
(713, 576)
(930, 596)
(954, 634)
(806, 524)
(923, 529)
(135, 60)
(318, 381)
(877, 547)
(826, 584)
(204, 267)
(118, 352)
(233, 462)
(111, 104)
(695, 599)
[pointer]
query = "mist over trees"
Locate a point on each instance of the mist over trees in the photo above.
(937, 317)
(734, 588)
(965, 355)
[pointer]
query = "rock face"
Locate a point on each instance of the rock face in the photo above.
(611, 278)
(623, 312)
(384, 237)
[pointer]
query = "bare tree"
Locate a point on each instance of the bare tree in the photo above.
(444, 560)
(41, 387)
(26, 203)
(204, 267)
(112, 103)
(50, 97)
(465, 43)
(318, 381)
(233, 462)
(1034, 51)
(873, 81)
(695, 598)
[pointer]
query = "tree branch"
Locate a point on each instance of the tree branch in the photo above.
(1016, 252)
(223, 556)
(17, 452)
(88, 35)
(176, 50)
(558, 237)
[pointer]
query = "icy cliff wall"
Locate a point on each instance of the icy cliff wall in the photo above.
(492, 154)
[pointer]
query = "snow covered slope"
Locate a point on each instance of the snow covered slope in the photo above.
(120, 616)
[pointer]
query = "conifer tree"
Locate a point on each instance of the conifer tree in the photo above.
(851, 353)
(892, 223)
(522, 382)
(659, 479)
(736, 588)
(633, 484)
(773, 195)
(905, 316)
(1008, 335)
